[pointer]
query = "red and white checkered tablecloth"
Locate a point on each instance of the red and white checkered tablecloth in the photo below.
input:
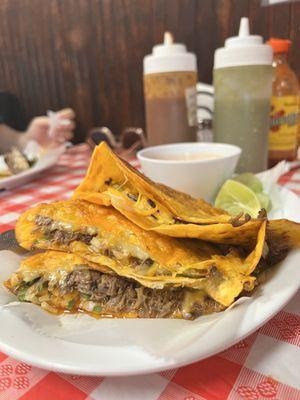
(265, 365)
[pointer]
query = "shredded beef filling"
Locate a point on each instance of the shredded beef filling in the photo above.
(120, 295)
(117, 294)
(278, 248)
(239, 220)
(106, 294)
(60, 235)
(65, 236)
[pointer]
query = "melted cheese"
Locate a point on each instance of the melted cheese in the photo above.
(190, 298)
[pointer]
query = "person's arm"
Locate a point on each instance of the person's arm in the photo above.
(38, 130)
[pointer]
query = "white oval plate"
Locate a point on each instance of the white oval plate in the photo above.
(83, 345)
(48, 160)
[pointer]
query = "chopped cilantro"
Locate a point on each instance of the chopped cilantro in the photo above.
(22, 293)
(71, 304)
(42, 286)
(85, 296)
(97, 309)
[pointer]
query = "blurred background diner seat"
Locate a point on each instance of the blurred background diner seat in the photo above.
(87, 54)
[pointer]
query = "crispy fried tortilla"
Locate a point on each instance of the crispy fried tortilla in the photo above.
(110, 181)
(284, 231)
(105, 237)
(60, 282)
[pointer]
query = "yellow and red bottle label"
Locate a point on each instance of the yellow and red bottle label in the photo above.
(284, 123)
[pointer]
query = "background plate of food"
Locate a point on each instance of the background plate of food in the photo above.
(17, 168)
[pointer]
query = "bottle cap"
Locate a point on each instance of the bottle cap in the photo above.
(279, 45)
(169, 57)
(244, 49)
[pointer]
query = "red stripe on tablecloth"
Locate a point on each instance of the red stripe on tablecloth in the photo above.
(6, 227)
(290, 176)
(212, 378)
(53, 387)
(2, 357)
(284, 180)
(297, 191)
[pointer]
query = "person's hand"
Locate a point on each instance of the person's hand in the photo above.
(47, 135)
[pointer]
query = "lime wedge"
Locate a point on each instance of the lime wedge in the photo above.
(251, 181)
(235, 197)
(264, 200)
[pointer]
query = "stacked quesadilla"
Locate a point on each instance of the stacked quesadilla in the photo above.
(124, 246)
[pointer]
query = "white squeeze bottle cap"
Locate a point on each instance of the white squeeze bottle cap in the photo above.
(169, 57)
(244, 49)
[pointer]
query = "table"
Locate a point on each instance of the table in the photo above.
(265, 365)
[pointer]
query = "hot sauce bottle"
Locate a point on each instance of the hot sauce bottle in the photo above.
(170, 78)
(284, 106)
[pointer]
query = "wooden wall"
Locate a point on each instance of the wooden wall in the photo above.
(88, 54)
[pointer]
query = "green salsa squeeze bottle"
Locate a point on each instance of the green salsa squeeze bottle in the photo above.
(243, 88)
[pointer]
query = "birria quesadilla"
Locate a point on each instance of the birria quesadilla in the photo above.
(105, 237)
(127, 247)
